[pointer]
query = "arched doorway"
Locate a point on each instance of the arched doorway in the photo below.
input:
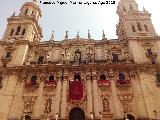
(76, 114)
(130, 117)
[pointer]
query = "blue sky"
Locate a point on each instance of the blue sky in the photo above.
(77, 17)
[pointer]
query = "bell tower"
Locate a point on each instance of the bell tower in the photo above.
(25, 25)
(132, 22)
(21, 30)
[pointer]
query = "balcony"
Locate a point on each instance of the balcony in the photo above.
(50, 83)
(104, 83)
(120, 83)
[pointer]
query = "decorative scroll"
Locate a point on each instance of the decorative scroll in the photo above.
(76, 91)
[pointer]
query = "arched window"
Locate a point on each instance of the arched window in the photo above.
(23, 31)
(146, 27)
(40, 59)
(18, 30)
(12, 31)
(32, 13)
(8, 54)
(102, 77)
(158, 77)
(139, 26)
(1, 82)
(131, 8)
(133, 28)
(51, 78)
(34, 80)
(121, 76)
(77, 78)
(26, 11)
(124, 9)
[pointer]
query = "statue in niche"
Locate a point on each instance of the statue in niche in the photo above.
(105, 103)
(77, 57)
(90, 55)
(47, 57)
(65, 56)
(48, 106)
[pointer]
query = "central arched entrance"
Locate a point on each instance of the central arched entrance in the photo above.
(76, 114)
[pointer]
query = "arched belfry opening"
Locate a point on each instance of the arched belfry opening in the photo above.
(76, 114)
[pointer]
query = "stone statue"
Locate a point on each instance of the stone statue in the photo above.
(77, 57)
(90, 55)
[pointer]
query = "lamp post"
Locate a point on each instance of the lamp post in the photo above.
(56, 115)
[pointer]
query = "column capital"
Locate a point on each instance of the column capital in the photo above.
(88, 77)
(94, 77)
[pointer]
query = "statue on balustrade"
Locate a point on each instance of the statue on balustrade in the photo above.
(77, 57)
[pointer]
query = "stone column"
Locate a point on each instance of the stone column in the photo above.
(17, 106)
(95, 97)
(116, 103)
(58, 95)
(138, 96)
(64, 97)
(39, 102)
(89, 95)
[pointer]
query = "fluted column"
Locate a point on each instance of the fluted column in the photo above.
(58, 96)
(64, 97)
(95, 97)
(89, 95)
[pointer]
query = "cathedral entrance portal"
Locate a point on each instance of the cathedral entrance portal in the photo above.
(76, 114)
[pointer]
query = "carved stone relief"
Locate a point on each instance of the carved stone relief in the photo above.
(48, 106)
(126, 100)
(29, 103)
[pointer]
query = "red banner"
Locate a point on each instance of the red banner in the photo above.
(76, 90)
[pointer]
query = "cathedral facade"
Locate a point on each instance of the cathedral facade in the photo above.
(80, 79)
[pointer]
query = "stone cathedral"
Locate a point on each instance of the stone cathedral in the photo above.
(80, 78)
